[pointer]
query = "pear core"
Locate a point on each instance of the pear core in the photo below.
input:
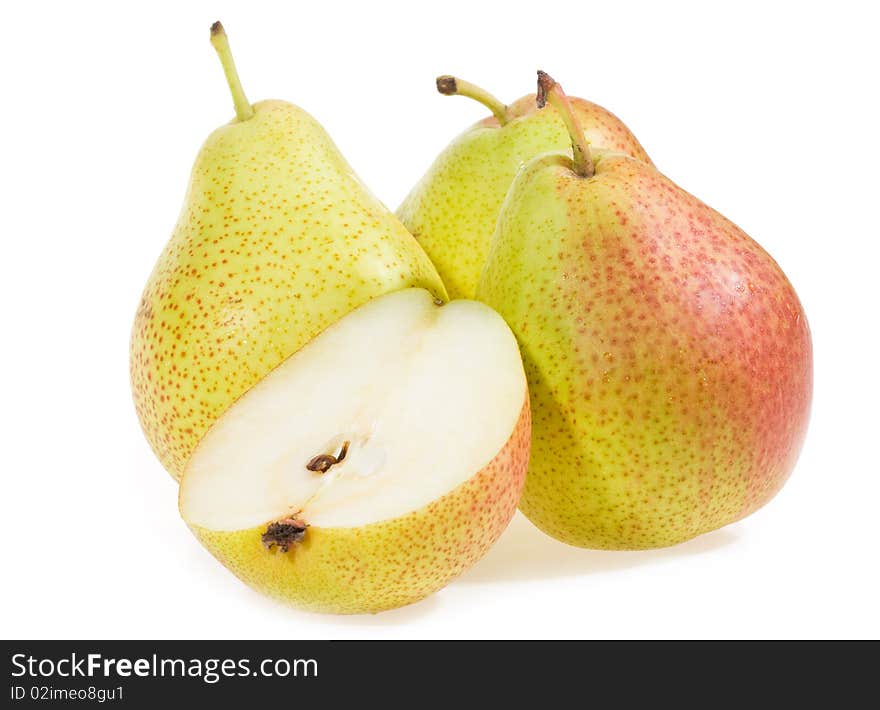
(387, 410)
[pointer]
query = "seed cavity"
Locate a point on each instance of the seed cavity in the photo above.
(284, 533)
(322, 462)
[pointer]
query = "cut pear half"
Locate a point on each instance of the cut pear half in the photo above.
(374, 464)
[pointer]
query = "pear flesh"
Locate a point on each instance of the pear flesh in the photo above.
(668, 357)
(391, 450)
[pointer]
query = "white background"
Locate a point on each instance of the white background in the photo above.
(767, 111)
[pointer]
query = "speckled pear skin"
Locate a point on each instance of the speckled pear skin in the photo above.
(668, 357)
(277, 240)
(453, 209)
(391, 563)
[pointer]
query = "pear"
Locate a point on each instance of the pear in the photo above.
(374, 464)
(277, 239)
(668, 357)
(453, 208)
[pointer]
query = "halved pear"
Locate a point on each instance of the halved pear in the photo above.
(372, 466)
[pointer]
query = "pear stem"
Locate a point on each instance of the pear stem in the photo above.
(549, 90)
(451, 86)
(243, 108)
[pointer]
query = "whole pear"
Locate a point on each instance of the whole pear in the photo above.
(277, 239)
(453, 209)
(668, 357)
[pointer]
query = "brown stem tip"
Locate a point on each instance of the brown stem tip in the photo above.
(216, 28)
(447, 85)
(545, 85)
(284, 533)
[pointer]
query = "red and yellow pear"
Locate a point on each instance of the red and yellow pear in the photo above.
(668, 357)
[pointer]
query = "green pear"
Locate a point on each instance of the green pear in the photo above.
(277, 239)
(668, 357)
(453, 209)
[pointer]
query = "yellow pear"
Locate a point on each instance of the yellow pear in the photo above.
(277, 239)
